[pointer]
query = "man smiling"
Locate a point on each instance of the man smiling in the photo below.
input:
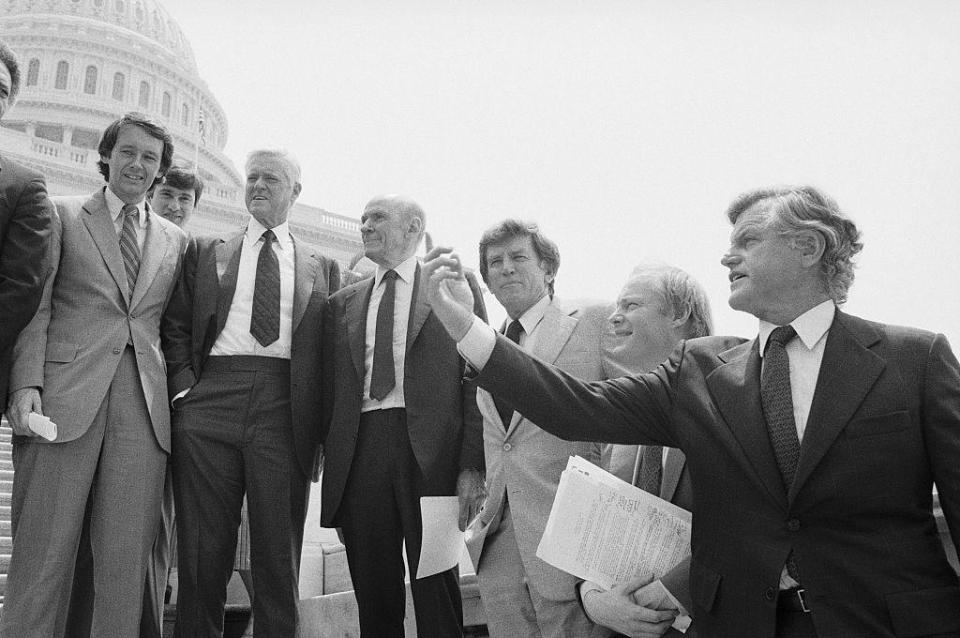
(243, 352)
(90, 361)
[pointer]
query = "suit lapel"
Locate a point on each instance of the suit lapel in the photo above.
(305, 271)
(228, 265)
(848, 371)
(155, 247)
(554, 331)
(356, 305)
(104, 233)
(672, 470)
(419, 310)
(735, 388)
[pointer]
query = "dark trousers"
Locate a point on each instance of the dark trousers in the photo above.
(232, 435)
(380, 513)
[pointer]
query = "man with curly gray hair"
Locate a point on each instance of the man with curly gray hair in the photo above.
(813, 448)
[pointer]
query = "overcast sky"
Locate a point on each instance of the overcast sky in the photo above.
(624, 128)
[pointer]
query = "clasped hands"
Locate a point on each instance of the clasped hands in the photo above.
(637, 608)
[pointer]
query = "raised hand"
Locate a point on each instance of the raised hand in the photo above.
(447, 290)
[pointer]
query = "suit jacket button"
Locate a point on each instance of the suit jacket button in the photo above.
(116, 351)
(506, 447)
(793, 525)
(770, 594)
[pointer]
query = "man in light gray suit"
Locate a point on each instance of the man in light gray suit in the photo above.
(90, 360)
(522, 595)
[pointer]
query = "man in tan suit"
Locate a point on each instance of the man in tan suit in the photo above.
(90, 361)
(522, 595)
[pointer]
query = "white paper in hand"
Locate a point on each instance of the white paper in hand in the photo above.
(42, 426)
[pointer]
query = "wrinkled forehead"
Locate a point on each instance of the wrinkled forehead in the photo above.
(642, 286)
(759, 216)
(272, 163)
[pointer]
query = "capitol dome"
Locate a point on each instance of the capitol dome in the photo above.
(86, 62)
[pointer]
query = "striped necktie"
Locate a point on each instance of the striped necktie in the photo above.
(129, 247)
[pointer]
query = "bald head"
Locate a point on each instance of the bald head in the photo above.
(391, 227)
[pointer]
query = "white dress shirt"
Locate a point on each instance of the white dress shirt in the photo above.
(115, 207)
(403, 297)
(235, 339)
(805, 354)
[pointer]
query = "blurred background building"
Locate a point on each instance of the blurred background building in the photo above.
(86, 62)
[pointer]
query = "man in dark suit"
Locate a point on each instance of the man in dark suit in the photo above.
(90, 361)
(244, 357)
(401, 424)
(813, 448)
(657, 308)
(25, 213)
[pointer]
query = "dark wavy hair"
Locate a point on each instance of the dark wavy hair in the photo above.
(9, 60)
(151, 127)
(184, 179)
(508, 229)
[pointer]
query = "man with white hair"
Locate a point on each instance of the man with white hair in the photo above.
(244, 369)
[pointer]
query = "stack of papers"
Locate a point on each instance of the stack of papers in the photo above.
(607, 531)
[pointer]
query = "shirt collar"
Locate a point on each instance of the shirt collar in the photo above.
(810, 326)
(115, 207)
(255, 230)
(406, 270)
(534, 314)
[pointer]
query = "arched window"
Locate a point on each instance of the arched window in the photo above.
(90, 80)
(185, 114)
(63, 71)
(33, 72)
(118, 86)
(144, 94)
(165, 107)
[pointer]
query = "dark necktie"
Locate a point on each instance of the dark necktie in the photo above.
(383, 377)
(651, 469)
(514, 330)
(777, 402)
(129, 248)
(265, 314)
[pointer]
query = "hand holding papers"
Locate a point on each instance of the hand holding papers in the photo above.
(607, 531)
(441, 544)
(42, 426)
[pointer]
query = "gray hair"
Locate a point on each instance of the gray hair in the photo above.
(682, 295)
(800, 208)
(283, 155)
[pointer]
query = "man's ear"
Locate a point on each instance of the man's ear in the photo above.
(811, 245)
(681, 318)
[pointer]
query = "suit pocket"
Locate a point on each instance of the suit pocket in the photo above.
(704, 584)
(877, 425)
(925, 612)
(62, 352)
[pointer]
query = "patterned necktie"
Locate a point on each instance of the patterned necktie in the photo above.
(514, 330)
(777, 401)
(265, 314)
(383, 377)
(651, 469)
(129, 248)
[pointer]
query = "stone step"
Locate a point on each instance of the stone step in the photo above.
(6, 495)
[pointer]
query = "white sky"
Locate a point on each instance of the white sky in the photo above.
(624, 128)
